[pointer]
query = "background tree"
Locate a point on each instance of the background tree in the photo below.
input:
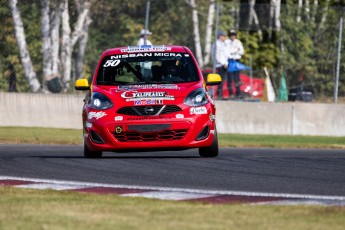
(23, 48)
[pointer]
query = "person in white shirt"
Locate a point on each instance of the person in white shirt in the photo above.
(235, 48)
(145, 66)
(143, 38)
(220, 56)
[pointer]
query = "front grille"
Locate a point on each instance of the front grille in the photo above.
(153, 110)
(166, 135)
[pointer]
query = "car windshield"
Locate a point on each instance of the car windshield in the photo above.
(147, 68)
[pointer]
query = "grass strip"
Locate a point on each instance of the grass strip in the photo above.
(33, 135)
(280, 141)
(18, 135)
(47, 209)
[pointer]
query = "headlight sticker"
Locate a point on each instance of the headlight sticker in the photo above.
(198, 110)
(179, 116)
(118, 118)
(96, 115)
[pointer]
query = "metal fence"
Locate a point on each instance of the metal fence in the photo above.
(300, 42)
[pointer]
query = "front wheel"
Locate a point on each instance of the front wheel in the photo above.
(91, 154)
(211, 151)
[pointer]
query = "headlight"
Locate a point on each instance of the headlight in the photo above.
(100, 101)
(196, 98)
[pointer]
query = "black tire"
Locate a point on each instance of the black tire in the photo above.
(91, 154)
(211, 151)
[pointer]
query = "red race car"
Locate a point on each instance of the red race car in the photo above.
(148, 98)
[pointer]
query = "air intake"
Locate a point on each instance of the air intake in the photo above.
(96, 138)
(203, 134)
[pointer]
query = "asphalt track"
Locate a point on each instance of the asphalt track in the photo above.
(293, 171)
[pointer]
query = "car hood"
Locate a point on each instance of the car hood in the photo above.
(136, 93)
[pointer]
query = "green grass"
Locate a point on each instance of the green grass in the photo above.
(25, 135)
(280, 141)
(45, 209)
(71, 136)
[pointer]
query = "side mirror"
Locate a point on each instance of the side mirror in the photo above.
(82, 84)
(213, 79)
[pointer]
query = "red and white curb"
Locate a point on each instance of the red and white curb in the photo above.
(178, 194)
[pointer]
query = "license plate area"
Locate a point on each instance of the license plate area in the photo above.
(148, 128)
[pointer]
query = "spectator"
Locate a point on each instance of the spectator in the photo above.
(220, 55)
(145, 67)
(236, 51)
(12, 80)
(143, 38)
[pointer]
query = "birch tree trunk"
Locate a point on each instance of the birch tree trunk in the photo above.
(79, 61)
(46, 42)
(272, 18)
(78, 29)
(277, 23)
(251, 12)
(70, 39)
(66, 51)
(323, 19)
(55, 35)
(254, 17)
(299, 10)
(196, 32)
(82, 46)
(30, 74)
(315, 6)
(307, 9)
(208, 37)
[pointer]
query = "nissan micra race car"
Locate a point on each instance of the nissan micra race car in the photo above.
(148, 98)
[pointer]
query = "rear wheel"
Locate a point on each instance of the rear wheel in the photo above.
(91, 154)
(211, 151)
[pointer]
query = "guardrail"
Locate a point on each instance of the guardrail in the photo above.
(64, 111)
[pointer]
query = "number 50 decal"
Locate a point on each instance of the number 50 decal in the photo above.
(111, 63)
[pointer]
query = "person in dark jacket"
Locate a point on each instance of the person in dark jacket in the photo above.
(12, 79)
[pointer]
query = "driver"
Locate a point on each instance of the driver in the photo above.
(170, 68)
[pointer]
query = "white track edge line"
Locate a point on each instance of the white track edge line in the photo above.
(211, 192)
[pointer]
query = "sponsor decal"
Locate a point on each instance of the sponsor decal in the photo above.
(118, 118)
(134, 55)
(148, 118)
(212, 131)
(96, 115)
(198, 110)
(111, 63)
(148, 86)
(179, 116)
(167, 55)
(133, 49)
(134, 95)
(148, 102)
(118, 129)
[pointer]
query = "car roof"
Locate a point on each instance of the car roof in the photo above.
(147, 48)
